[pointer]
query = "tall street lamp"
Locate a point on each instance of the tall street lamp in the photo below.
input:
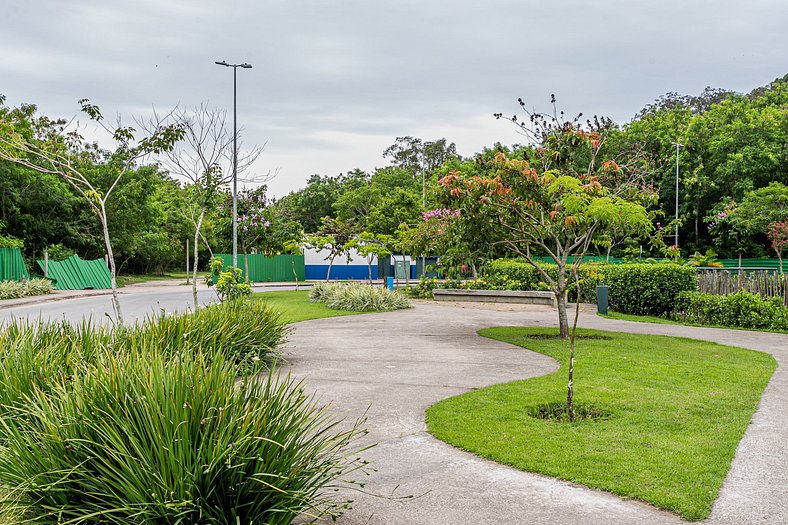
(235, 158)
(676, 243)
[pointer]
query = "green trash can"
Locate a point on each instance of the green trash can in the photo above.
(601, 299)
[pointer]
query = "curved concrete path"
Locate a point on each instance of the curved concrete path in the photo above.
(394, 365)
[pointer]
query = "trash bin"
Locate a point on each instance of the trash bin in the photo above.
(390, 283)
(601, 299)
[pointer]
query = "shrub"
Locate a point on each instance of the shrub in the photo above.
(36, 355)
(12, 289)
(172, 439)
(245, 332)
(357, 297)
(423, 289)
(741, 310)
(647, 289)
(16, 289)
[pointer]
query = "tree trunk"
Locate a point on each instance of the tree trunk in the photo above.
(563, 321)
(246, 266)
(474, 272)
(330, 264)
(196, 254)
(111, 260)
(292, 265)
(609, 249)
(369, 266)
(570, 388)
(780, 258)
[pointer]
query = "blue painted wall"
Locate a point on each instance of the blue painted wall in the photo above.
(317, 272)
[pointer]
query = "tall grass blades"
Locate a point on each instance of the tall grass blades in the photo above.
(357, 297)
(172, 439)
(245, 332)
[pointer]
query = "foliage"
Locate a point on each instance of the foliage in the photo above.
(157, 426)
(647, 289)
(740, 310)
(357, 297)
(777, 233)
(370, 245)
(16, 289)
(171, 438)
(557, 200)
(665, 440)
(229, 285)
(8, 241)
(707, 260)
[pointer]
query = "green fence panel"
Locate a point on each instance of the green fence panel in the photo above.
(12, 266)
(265, 269)
(77, 274)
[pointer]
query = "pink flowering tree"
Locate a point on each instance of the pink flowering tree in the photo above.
(778, 235)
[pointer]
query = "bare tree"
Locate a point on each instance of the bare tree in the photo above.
(54, 147)
(203, 160)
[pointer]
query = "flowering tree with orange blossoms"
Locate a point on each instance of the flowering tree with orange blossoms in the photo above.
(554, 203)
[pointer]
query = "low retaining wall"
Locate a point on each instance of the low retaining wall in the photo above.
(496, 296)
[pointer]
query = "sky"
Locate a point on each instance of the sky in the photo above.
(334, 83)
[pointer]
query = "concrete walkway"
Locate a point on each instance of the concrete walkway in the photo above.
(393, 366)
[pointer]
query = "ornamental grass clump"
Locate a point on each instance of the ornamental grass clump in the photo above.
(245, 332)
(357, 297)
(17, 289)
(172, 439)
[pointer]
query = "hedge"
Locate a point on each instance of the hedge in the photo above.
(639, 289)
(647, 289)
(740, 310)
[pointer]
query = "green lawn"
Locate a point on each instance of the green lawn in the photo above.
(638, 318)
(124, 280)
(294, 305)
(676, 410)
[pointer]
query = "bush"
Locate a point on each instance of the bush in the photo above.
(357, 297)
(245, 332)
(741, 310)
(171, 439)
(647, 289)
(36, 355)
(17, 289)
(514, 274)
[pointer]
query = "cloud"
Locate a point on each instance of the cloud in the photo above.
(334, 83)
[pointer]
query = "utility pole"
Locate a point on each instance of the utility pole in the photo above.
(676, 243)
(235, 157)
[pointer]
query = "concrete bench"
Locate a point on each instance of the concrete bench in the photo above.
(496, 296)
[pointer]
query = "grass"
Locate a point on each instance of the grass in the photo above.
(675, 411)
(294, 305)
(661, 320)
(124, 280)
(638, 318)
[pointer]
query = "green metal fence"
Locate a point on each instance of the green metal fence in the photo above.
(12, 266)
(77, 274)
(265, 269)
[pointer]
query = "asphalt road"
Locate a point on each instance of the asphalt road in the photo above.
(136, 301)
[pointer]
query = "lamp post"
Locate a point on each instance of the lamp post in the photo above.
(235, 158)
(676, 243)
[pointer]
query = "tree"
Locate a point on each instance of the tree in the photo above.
(334, 236)
(48, 146)
(295, 246)
(778, 235)
(204, 160)
(370, 245)
(555, 203)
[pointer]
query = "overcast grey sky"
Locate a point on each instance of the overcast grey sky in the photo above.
(335, 82)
